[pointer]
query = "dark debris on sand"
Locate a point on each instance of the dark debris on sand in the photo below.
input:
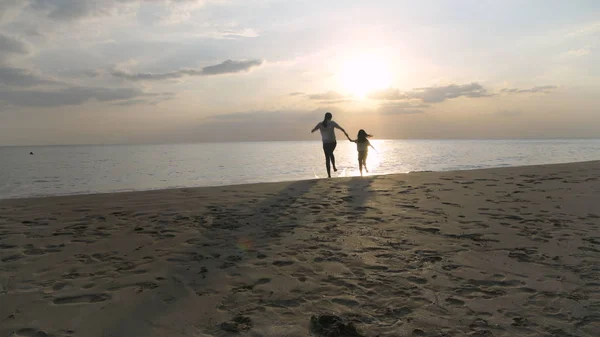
(332, 326)
(237, 324)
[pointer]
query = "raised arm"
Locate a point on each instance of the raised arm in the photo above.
(315, 128)
(371, 145)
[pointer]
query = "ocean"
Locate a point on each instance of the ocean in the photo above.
(64, 170)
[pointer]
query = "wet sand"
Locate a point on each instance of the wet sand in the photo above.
(496, 252)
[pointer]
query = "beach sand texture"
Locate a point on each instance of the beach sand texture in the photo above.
(496, 252)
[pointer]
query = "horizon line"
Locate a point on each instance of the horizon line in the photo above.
(281, 141)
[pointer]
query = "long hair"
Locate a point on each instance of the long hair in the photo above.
(362, 136)
(327, 118)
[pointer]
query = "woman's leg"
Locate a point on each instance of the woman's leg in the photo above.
(328, 152)
(333, 157)
(365, 162)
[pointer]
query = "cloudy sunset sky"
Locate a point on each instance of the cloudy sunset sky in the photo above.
(154, 71)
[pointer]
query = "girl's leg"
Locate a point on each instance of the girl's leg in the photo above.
(365, 163)
(360, 164)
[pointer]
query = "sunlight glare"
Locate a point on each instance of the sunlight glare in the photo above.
(365, 73)
(373, 160)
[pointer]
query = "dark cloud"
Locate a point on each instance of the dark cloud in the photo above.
(75, 96)
(433, 94)
(69, 10)
(230, 66)
(150, 100)
(19, 77)
(10, 45)
(440, 94)
(132, 102)
(297, 93)
(226, 67)
(542, 89)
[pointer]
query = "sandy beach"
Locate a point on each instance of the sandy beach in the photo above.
(495, 252)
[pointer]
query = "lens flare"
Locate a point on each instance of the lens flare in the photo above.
(244, 244)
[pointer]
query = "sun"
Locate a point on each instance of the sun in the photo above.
(364, 73)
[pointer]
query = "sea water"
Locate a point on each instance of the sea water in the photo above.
(60, 170)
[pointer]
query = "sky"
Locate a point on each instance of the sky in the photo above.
(165, 71)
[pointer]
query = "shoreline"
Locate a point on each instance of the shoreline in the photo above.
(273, 182)
(498, 252)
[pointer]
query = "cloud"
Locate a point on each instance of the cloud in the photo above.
(440, 94)
(578, 52)
(433, 94)
(70, 10)
(226, 67)
(10, 45)
(329, 95)
(19, 77)
(402, 108)
(8, 8)
(75, 96)
(297, 93)
(539, 89)
(585, 30)
(507, 113)
(150, 99)
(132, 102)
(230, 66)
(390, 94)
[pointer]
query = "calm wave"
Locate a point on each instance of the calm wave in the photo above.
(58, 170)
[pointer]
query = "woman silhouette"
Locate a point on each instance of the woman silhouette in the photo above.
(327, 128)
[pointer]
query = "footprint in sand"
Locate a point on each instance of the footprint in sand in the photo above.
(418, 332)
(346, 302)
(283, 263)
(141, 286)
(417, 280)
(27, 332)
(454, 301)
(82, 299)
(13, 257)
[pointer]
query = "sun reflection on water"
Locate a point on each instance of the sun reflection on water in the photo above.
(374, 159)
